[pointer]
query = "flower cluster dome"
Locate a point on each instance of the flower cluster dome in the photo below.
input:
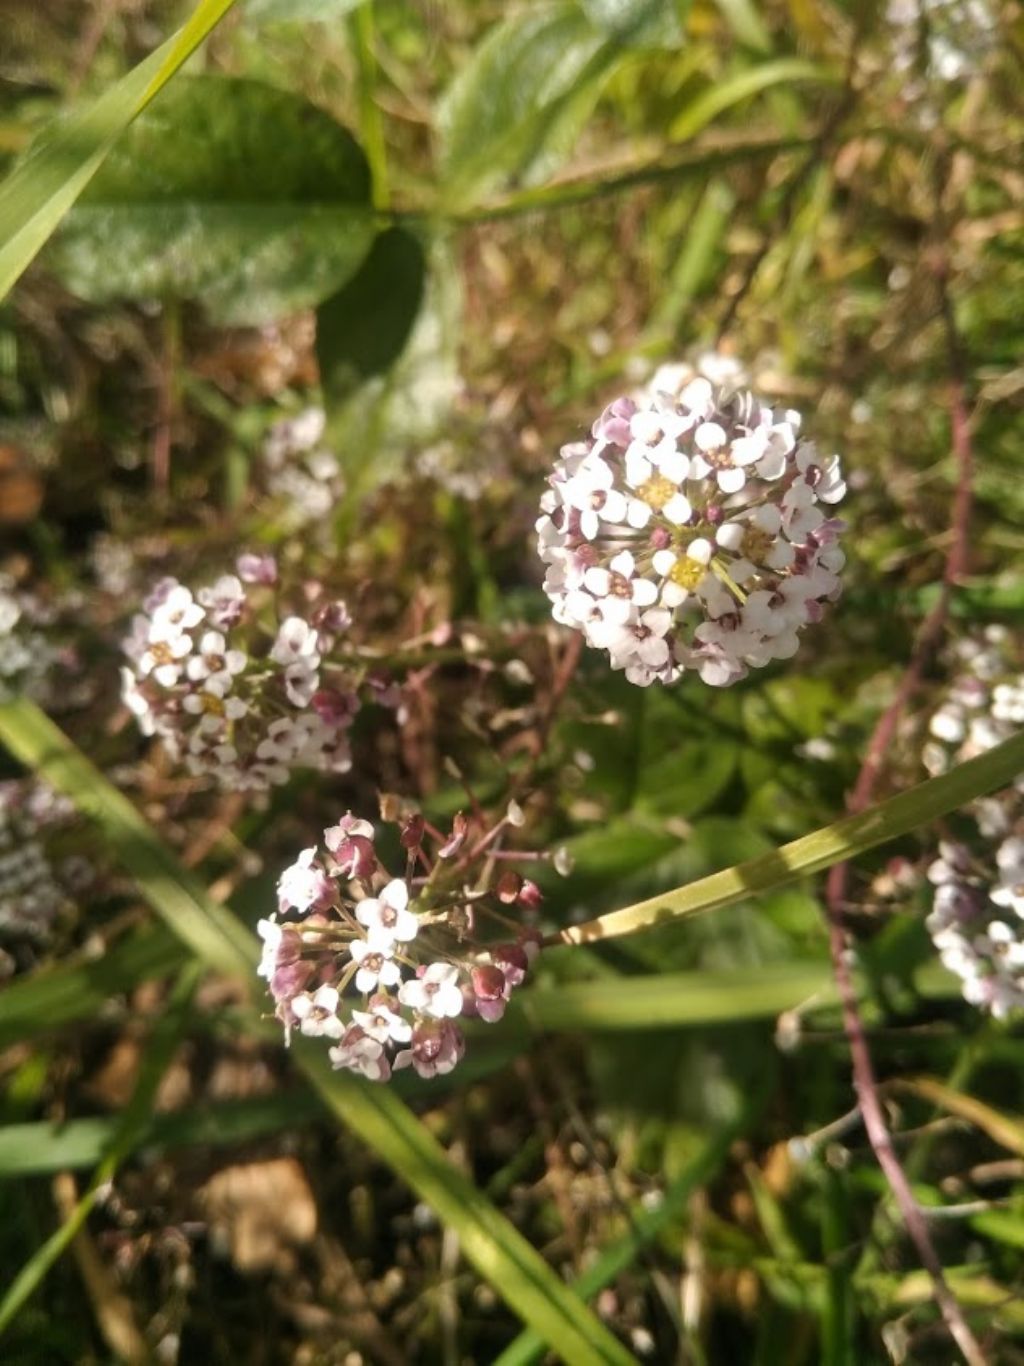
(232, 696)
(383, 966)
(692, 531)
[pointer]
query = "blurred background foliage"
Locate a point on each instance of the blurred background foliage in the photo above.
(461, 228)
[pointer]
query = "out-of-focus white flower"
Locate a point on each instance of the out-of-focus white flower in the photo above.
(199, 679)
(692, 532)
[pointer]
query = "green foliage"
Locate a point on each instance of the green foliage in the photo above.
(488, 1239)
(246, 197)
(363, 329)
(642, 23)
(40, 191)
(299, 11)
(519, 103)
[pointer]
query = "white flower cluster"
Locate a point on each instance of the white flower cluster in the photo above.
(235, 700)
(975, 922)
(978, 905)
(37, 659)
(35, 881)
(943, 40)
(692, 532)
(983, 707)
(299, 471)
(400, 944)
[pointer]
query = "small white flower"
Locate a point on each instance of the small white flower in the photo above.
(296, 643)
(435, 992)
(317, 1013)
(175, 615)
(386, 917)
(376, 966)
(302, 883)
(224, 601)
(382, 1023)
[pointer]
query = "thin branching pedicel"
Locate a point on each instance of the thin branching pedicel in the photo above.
(383, 966)
(692, 532)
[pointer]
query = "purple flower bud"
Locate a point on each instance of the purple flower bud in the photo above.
(530, 895)
(613, 424)
(411, 836)
(513, 961)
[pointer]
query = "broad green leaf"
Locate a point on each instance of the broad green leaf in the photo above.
(407, 407)
(497, 1250)
(246, 197)
(519, 102)
(299, 11)
(363, 328)
(732, 90)
(641, 23)
(1003, 1225)
(42, 188)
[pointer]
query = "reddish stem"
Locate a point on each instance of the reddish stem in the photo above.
(879, 745)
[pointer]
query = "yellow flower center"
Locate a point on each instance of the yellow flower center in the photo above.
(213, 706)
(687, 573)
(161, 652)
(720, 458)
(657, 491)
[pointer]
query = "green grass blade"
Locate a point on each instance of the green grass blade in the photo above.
(731, 90)
(497, 1250)
(675, 998)
(835, 843)
(39, 192)
(167, 1034)
(60, 994)
(211, 932)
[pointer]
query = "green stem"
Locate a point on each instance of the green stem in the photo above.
(370, 122)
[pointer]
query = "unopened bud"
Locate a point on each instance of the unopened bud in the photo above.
(508, 888)
(412, 831)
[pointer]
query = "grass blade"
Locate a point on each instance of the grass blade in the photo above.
(497, 1250)
(38, 192)
(835, 843)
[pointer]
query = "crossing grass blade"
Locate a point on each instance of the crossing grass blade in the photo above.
(836, 843)
(42, 188)
(497, 1250)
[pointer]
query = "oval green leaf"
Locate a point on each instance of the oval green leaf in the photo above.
(230, 191)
